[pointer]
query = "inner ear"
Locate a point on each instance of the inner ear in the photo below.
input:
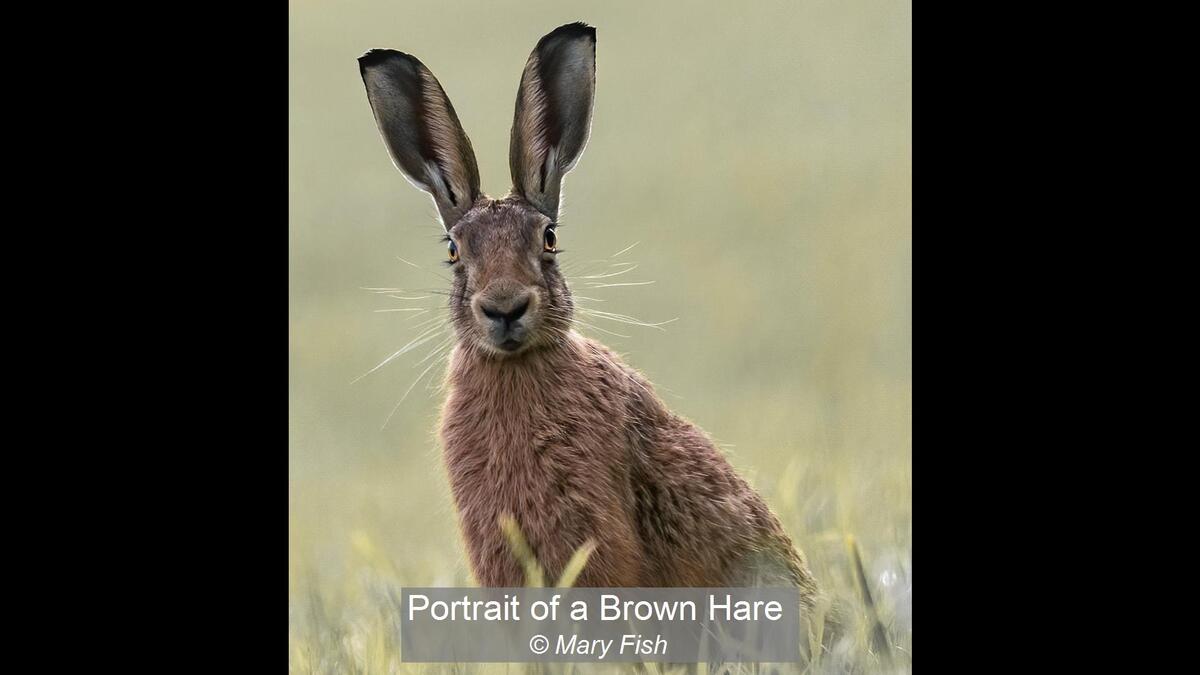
(421, 130)
(553, 114)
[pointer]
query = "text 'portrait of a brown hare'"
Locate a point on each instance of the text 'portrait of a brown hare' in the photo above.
(540, 423)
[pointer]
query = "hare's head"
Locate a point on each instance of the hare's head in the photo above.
(509, 295)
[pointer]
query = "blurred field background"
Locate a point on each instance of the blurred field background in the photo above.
(758, 155)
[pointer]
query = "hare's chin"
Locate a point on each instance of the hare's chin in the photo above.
(505, 349)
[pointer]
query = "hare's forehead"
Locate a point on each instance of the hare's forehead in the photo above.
(505, 226)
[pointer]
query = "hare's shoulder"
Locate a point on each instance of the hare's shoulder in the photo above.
(600, 359)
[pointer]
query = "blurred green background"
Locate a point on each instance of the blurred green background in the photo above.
(758, 155)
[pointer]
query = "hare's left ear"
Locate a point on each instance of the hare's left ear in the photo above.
(554, 114)
(421, 131)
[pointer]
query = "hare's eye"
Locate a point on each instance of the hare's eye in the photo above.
(453, 249)
(550, 240)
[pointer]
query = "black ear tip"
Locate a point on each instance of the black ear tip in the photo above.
(376, 57)
(570, 31)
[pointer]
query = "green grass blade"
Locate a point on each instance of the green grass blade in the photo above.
(534, 576)
(576, 564)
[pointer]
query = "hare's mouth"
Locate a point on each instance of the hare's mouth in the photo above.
(507, 339)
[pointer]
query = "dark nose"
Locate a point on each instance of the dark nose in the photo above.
(507, 313)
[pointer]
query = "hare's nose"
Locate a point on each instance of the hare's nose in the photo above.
(506, 313)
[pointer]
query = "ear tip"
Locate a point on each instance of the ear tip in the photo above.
(376, 57)
(575, 30)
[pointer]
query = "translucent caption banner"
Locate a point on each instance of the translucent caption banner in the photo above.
(680, 625)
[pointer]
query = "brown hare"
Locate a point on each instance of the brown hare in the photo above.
(540, 422)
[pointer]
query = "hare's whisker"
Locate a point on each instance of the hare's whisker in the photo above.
(441, 347)
(602, 330)
(625, 250)
(423, 269)
(623, 318)
(575, 267)
(627, 283)
(610, 274)
(421, 339)
(409, 390)
(600, 261)
(390, 292)
(574, 264)
(428, 322)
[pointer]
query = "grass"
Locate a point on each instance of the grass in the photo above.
(344, 614)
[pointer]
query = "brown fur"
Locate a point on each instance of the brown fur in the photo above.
(546, 425)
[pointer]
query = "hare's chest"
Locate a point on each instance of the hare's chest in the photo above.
(525, 462)
(502, 456)
(504, 435)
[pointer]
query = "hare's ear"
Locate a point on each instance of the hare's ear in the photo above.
(421, 131)
(554, 114)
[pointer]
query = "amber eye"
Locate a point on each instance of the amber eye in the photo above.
(453, 249)
(550, 240)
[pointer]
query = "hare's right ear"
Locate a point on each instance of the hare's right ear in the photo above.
(554, 114)
(421, 131)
